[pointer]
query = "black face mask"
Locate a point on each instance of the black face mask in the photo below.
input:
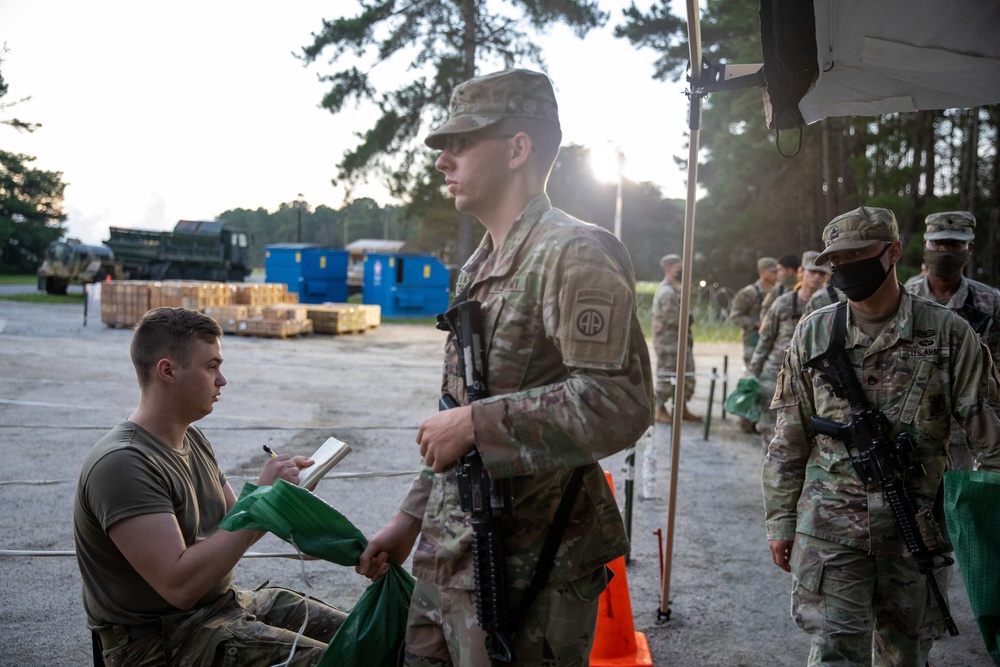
(859, 280)
(943, 263)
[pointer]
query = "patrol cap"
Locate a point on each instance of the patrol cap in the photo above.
(809, 262)
(485, 100)
(957, 225)
(670, 260)
(863, 227)
(769, 263)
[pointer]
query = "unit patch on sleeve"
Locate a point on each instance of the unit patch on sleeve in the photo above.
(592, 315)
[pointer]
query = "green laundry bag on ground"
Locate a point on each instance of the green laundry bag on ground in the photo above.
(374, 631)
(744, 401)
(972, 513)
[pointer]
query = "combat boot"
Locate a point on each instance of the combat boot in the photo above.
(689, 416)
(663, 415)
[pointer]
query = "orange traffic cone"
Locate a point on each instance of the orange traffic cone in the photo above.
(616, 643)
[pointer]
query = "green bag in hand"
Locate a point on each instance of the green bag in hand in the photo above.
(745, 399)
(972, 514)
(374, 630)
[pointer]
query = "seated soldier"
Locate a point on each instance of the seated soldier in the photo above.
(156, 569)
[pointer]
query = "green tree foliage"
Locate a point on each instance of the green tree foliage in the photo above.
(762, 203)
(439, 44)
(31, 213)
(323, 226)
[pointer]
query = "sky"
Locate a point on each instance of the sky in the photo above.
(157, 112)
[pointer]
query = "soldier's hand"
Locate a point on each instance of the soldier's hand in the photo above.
(781, 553)
(283, 467)
(394, 542)
(445, 437)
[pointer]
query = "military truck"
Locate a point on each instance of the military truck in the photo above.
(195, 250)
(71, 261)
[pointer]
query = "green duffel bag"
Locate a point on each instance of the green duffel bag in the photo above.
(373, 633)
(745, 399)
(972, 513)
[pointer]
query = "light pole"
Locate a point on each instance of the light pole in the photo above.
(299, 204)
(608, 164)
(618, 199)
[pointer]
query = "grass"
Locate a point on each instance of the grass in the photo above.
(710, 322)
(42, 297)
(28, 279)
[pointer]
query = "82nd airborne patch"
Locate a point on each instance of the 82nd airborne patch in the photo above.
(592, 315)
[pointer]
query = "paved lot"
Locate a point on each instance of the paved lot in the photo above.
(62, 385)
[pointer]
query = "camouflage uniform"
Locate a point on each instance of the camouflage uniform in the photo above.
(769, 298)
(569, 383)
(775, 335)
(824, 296)
(744, 311)
(982, 297)
(666, 319)
(924, 367)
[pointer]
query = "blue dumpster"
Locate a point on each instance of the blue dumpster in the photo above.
(406, 285)
(315, 273)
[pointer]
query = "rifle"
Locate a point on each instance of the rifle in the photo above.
(486, 499)
(882, 461)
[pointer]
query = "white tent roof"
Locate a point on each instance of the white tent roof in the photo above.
(903, 55)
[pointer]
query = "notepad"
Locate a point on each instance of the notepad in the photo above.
(329, 454)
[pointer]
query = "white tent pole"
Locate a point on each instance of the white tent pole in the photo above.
(687, 262)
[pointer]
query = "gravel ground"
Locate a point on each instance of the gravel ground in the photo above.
(63, 384)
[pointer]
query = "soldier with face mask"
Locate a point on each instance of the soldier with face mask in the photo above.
(856, 590)
(948, 242)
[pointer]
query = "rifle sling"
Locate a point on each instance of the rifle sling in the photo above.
(546, 557)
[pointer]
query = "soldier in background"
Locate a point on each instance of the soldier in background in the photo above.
(775, 335)
(789, 274)
(823, 297)
(666, 320)
(744, 312)
(855, 589)
(948, 241)
(569, 384)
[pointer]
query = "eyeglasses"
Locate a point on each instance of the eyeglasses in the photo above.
(457, 144)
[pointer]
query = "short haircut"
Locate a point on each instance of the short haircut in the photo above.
(790, 261)
(546, 136)
(168, 332)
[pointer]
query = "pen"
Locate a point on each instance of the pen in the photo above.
(269, 452)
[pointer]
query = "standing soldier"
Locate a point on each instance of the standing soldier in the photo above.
(775, 334)
(858, 593)
(789, 274)
(569, 383)
(745, 313)
(948, 241)
(666, 320)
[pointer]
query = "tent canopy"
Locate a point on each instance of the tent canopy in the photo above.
(860, 58)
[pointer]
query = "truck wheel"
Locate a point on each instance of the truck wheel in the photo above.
(55, 285)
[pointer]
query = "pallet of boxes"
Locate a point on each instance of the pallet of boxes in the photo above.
(245, 309)
(343, 318)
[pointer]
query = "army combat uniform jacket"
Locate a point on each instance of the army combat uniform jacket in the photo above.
(775, 335)
(745, 313)
(984, 298)
(569, 383)
(666, 318)
(924, 367)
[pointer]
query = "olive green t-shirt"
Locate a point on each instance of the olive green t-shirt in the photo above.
(129, 472)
